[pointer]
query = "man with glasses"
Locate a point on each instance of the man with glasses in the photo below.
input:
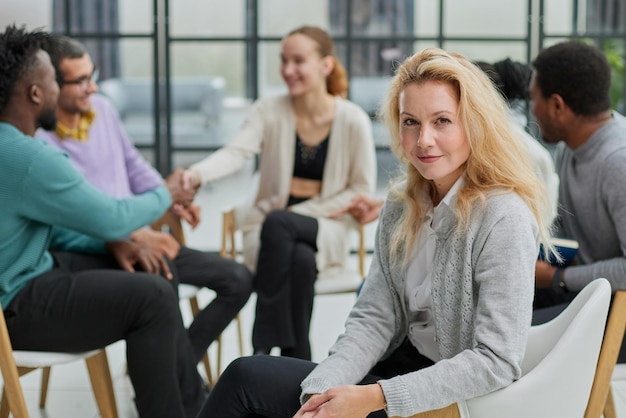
(89, 129)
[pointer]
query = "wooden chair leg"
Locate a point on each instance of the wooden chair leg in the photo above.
(219, 356)
(102, 384)
(239, 334)
(609, 406)
(451, 411)
(12, 394)
(207, 368)
(195, 308)
(4, 406)
(45, 378)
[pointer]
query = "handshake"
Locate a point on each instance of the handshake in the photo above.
(182, 189)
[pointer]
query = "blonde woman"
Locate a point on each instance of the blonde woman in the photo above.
(316, 155)
(445, 311)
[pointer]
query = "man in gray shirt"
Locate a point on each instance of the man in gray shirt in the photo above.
(570, 100)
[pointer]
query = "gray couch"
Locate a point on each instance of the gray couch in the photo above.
(196, 107)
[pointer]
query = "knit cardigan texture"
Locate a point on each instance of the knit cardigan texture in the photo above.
(482, 291)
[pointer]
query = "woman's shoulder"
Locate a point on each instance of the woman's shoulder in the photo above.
(281, 100)
(350, 110)
(506, 203)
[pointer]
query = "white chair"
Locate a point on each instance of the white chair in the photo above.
(17, 363)
(558, 368)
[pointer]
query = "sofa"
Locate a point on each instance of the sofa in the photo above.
(196, 107)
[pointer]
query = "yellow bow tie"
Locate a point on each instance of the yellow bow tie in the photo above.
(79, 133)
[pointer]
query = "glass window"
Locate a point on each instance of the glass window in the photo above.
(378, 57)
(485, 18)
(269, 78)
(426, 18)
(211, 59)
(489, 51)
(207, 18)
(279, 17)
(32, 13)
(382, 17)
(557, 16)
(204, 74)
(134, 16)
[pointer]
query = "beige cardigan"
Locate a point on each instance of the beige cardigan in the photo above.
(350, 170)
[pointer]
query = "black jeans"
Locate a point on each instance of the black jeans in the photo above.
(285, 283)
(267, 386)
(232, 284)
(86, 302)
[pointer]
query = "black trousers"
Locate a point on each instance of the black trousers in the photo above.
(232, 283)
(267, 386)
(86, 302)
(285, 280)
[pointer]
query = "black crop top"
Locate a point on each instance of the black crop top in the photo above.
(309, 161)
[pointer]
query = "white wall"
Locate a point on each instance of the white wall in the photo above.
(32, 13)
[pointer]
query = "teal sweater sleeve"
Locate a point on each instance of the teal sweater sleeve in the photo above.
(39, 189)
(64, 239)
(55, 193)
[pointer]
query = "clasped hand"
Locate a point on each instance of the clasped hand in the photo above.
(130, 254)
(349, 401)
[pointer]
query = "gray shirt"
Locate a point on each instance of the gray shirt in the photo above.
(592, 205)
(482, 290)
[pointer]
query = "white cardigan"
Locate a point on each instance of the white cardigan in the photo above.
(350, 170)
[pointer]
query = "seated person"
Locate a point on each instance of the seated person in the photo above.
(512, 78)
(454, 258)
(318, 154)
(54, 304)
(89, 130)
(570, 100)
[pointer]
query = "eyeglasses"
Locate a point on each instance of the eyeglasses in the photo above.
(84, 82)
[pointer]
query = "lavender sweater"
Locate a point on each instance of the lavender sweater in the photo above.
(108, 159)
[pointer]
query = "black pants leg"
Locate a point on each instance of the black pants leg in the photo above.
(267, 386)
(75, 308)
(285, 278)
(232, 283)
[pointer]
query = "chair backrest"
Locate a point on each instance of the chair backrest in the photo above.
(12, 387)
(559, 365)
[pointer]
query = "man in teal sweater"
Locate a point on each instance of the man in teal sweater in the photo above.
(52, 305)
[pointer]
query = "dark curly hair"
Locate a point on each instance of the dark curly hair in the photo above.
(578, 72)
(18, 49)
(510, 77)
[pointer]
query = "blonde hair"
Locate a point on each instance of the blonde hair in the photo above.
(498, 162)
(337, 81)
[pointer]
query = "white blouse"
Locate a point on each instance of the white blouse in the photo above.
(418, 277)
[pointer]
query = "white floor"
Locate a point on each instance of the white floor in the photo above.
(70, 393)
